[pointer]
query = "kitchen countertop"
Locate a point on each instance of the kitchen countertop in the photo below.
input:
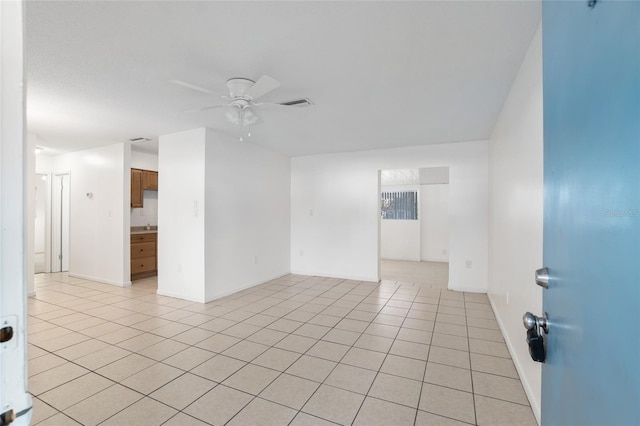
(143, 230)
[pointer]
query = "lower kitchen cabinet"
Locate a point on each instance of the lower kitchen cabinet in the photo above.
(143, 255)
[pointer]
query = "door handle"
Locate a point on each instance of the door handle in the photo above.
(542, 277)
(531, 321)
(535, 327)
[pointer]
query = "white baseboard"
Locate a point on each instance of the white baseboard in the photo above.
(179, 296)
(221, 294)
(535, 405)
(100, 280)
(467, 290)
(244, 287)
(330, 275)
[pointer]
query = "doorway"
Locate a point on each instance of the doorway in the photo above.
(60, 223)
(414, 226)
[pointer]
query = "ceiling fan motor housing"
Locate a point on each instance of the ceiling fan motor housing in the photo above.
(239, 86)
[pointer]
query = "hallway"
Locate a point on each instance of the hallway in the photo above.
(297, 350)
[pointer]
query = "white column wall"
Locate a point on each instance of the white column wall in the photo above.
(515, 218)
(181, 215)
(247, 215)
(334, 210)
(223, 215)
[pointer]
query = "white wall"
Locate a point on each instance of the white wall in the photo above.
(434, 222)
(181, 215)
(334, 210)
(144, 160)
(400, 239)
(247, 215)
(148, 214)
(223, 215)
(98, 226)
(515, 218)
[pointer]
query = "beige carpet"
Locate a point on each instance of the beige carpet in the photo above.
(433, 274)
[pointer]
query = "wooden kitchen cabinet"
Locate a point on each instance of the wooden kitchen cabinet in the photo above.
(150, 180)
(136, 188)
(143, 255)
(141, 180)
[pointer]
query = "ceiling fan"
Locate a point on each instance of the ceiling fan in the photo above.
(241, 105)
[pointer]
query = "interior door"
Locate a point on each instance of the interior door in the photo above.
(591, 56)
(60, 224)
(40, 228)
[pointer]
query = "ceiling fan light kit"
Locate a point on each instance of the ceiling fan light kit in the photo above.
(238, 87)
(243, 115)
(243, 93)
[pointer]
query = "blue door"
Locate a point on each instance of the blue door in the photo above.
(591, 59)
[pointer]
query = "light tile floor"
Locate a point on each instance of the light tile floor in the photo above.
(297, 350)
(435, 274)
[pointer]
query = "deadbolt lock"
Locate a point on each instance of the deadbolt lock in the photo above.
(6, 334)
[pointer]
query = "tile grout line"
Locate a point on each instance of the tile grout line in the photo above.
(426, 365)
(473, 393)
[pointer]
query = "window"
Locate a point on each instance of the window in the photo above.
(401, 205)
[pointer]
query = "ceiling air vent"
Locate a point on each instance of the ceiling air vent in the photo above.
(298, 103)
(135, 140)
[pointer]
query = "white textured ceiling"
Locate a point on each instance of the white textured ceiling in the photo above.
(381, 74)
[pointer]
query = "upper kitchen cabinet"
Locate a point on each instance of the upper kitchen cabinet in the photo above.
(141, 180)
(149, 180)
(136, 188)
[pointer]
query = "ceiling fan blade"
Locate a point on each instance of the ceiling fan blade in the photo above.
(299, 103)
(206, 108)
(263, 86)
(192, 87)
(272, 106)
